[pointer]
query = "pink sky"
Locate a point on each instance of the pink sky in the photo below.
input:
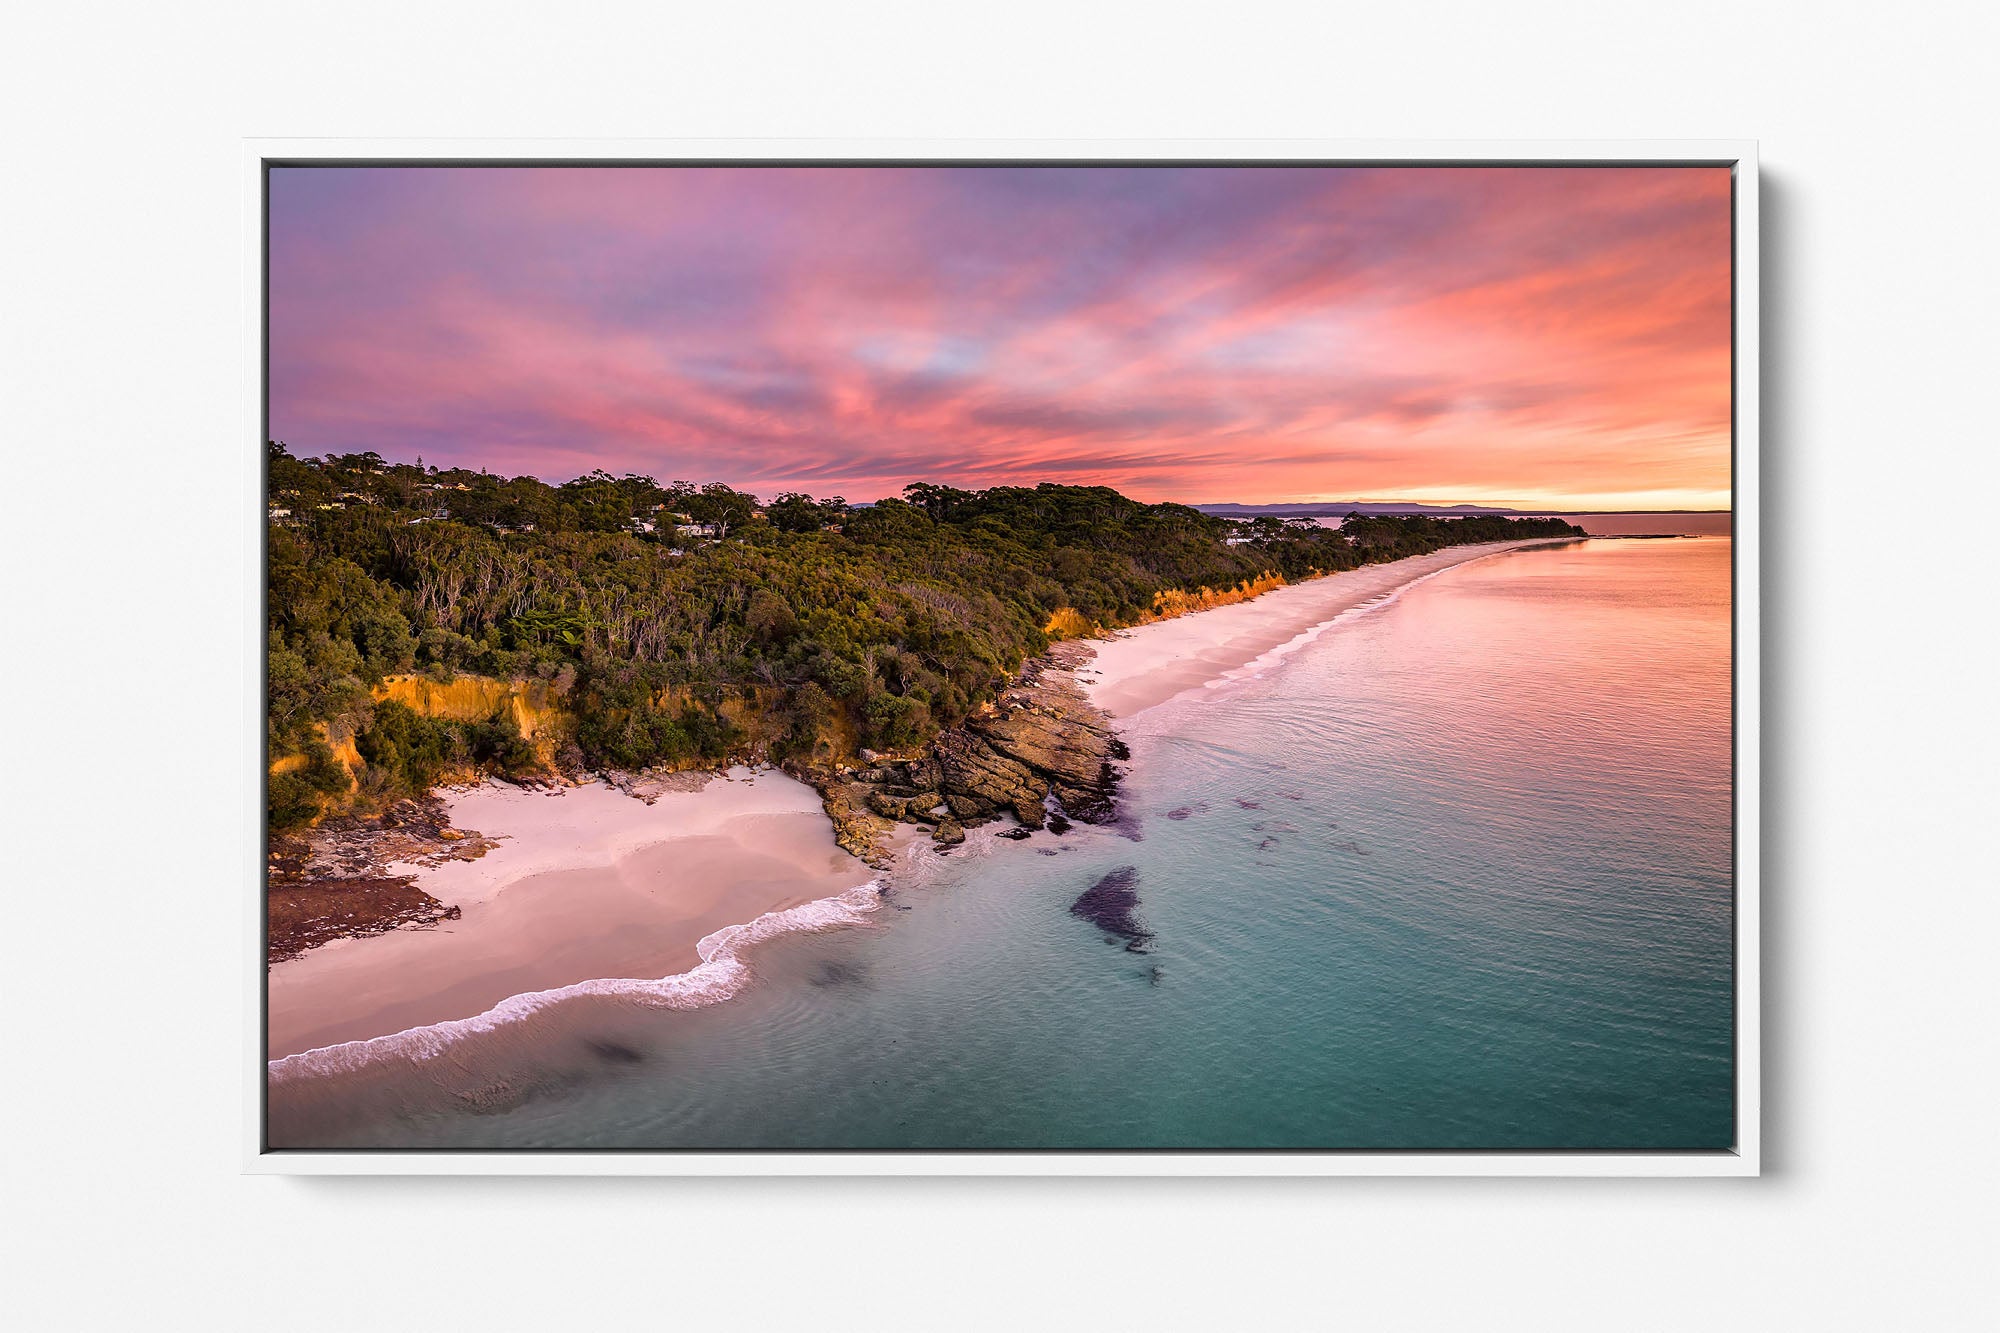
(1529, 336)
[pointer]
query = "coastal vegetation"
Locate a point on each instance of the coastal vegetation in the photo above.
(682, 624)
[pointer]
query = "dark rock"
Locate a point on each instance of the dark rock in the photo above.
(1042, 738)
(835, 972)
(1017, 834)
(1057, 824)
(615, 1053)
(949, 832)
(1109, 905)
(857, 826)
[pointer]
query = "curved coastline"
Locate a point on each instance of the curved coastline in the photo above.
(720, 974)
(1142, 667)
(582, 884)
(1134, 670)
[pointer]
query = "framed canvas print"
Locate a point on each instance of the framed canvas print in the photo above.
(983, 658)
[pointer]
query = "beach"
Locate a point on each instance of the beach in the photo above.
(1331, 878)
(586, 883)
(1138, 668)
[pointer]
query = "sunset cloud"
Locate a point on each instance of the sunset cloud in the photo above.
(1555, 336)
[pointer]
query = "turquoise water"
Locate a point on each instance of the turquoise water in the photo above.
(1455, 873)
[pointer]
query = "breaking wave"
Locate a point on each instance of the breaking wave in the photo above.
(721, 973)
(1255, 669)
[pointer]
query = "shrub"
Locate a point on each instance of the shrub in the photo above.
(409, 748)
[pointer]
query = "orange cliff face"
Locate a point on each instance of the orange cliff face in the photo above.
(534, 705)
(540, 710)
(1069, 623)
(1179, 602)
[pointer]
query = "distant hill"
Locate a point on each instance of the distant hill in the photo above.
(1405, 508)
(1342, 508)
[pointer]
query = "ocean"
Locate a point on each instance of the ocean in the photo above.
(1451, 872)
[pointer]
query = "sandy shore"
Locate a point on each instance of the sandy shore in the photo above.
(1138, 668)
(586, 883)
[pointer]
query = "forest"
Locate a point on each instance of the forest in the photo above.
(650, 607)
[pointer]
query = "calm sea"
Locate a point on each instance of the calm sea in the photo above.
(1454, 873)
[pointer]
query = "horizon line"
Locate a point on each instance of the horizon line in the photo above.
(1514, 506)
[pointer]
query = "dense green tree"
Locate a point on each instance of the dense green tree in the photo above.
(902, 621)
(721, 508)
(796, 512)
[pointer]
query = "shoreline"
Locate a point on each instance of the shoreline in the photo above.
(1138, 668)
(586, 883)
(1041, 754)
(600, 889)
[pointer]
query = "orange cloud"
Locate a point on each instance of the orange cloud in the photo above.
(1555, 336)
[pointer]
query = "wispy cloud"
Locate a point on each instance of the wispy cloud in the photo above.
(1546, 335)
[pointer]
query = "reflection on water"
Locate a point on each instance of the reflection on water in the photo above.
(1454, 875)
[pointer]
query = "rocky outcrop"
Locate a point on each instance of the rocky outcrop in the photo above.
(417, 831)
(650, 784)
(1038, 753)
(857, 828)
(303, 916)
(334, 880)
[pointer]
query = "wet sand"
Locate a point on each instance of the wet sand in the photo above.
(1138, 668)
(586, 883)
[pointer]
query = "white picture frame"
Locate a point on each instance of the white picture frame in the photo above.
(1741, 1160)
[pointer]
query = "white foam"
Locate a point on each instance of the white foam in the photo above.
(721, 973)
(1263, 662)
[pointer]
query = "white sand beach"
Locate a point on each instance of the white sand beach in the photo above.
(589, 883)
(586, 883)
(1138, 668)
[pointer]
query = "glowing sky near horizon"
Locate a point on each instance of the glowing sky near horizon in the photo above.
(1553, 337)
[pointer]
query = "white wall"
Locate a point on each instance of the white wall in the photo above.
(123, 313)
